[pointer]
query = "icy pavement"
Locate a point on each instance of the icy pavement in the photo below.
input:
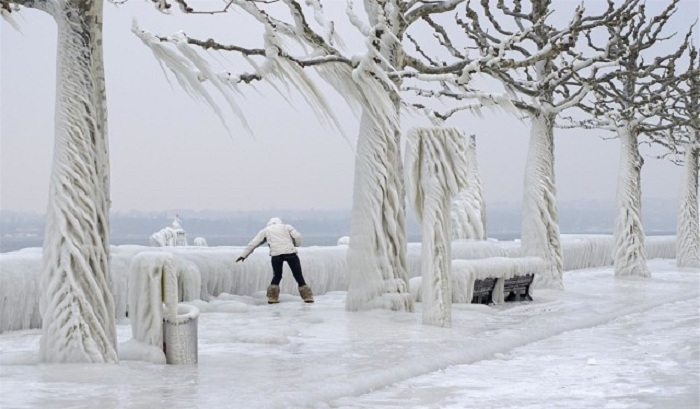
(601, 343)
(642, 360)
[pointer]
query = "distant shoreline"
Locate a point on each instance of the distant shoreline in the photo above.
(14, 243)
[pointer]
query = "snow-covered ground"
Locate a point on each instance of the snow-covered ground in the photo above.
(600, 343)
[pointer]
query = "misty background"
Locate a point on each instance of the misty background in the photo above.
(318, 226)
(170, 154)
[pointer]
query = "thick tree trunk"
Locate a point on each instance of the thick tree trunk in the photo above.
(77, 305)
(688, 230)
(377, 260)
(628, 237)
(540, 220)
(377, 263)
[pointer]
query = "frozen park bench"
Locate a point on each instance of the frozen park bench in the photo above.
(516, 288)
(483, 290)
(494, 279)
(490, 280)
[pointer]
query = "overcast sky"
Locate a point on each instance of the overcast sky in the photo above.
(169, 151)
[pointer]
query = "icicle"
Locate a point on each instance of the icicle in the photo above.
(7, 16)
(468, 212)
(436, 170)
(190, 70)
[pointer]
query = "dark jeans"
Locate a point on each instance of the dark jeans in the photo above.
(294, 264)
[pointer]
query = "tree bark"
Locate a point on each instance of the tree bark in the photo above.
(77, 305)
(688, 229)
(628, 237)
(540, 219)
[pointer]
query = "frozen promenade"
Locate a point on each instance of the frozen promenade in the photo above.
(601, 343)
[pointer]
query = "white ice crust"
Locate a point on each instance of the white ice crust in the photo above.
(206, 272)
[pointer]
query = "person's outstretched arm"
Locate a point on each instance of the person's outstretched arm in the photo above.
(257, 241)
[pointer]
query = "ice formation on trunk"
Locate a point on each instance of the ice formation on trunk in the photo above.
(436, 170)
(77, 305)
(540, 220)
(377, 264)
(688, 235)
(628, 235)
(468, 210)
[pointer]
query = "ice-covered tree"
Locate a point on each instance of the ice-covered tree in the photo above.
(436, 170)
(372, 79)
(630, 101)
(377, 255)
(77, 304)
(468, 208)
(683, 140)
(537, 71)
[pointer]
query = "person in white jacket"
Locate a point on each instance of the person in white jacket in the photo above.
(283, 240)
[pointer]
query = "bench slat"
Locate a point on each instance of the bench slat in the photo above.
(518, 288)
(483, 291)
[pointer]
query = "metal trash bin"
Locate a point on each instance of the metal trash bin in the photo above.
(180, 336)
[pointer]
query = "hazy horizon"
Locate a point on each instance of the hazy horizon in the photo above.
(323, 227)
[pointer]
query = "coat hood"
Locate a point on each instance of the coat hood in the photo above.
(274, 220)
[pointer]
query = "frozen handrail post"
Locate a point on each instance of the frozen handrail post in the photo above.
(151, 278)
(156, 318)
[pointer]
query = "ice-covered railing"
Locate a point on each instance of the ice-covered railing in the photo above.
(325, 268)
(590, 251)
(660, 246)
(20, 273)
(586, 251)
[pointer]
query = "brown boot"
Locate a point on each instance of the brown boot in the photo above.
(305, 293)
(273, 294)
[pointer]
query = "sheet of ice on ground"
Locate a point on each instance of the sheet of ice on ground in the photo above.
(299, 355)
(644, 360)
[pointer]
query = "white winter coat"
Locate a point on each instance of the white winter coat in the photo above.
(282, 239)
